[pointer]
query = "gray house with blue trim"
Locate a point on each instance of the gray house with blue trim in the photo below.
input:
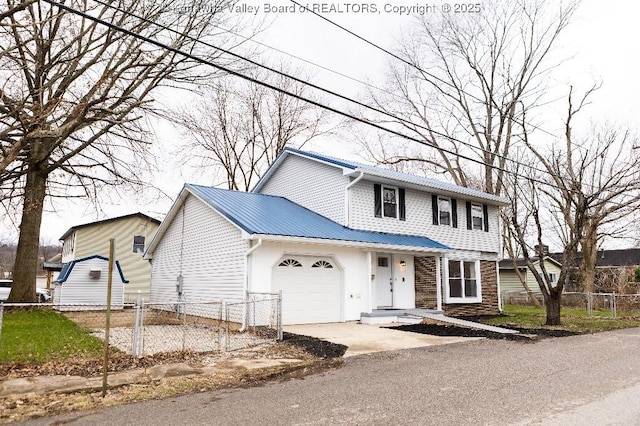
(340, 239)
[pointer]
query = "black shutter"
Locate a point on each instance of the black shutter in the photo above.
(403, 210)
(434, 207)
(377, 197)
(454, 212)
(469, 218)
(485, 213)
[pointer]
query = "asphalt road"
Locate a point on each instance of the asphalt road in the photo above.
(581, 380)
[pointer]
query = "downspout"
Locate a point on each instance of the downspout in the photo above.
(246, 282)
(347, 210)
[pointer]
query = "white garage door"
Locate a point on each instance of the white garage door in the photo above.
(311, 289)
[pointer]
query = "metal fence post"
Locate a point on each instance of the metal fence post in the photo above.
(184, 327)
(220, 328)
(614, 307)
(589, 304)
(280, 333)
(226, 325)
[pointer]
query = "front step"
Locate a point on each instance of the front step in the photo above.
(409, 319)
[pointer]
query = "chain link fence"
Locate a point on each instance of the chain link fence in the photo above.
(595, 304)
(199, 326)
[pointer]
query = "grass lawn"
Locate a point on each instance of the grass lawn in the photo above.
(575, 320)
(41, 335)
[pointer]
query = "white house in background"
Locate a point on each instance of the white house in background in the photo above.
(339, 239)
(132, 233)
(84, 281)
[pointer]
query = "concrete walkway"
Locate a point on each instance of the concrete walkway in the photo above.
(369, 338)
(465, 323)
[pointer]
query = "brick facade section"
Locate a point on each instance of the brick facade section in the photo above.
(425, 282)
(425, 270)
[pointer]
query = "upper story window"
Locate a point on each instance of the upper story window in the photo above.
(477, 216)
(462, 281)
(68, 244)
(389, 201)
(138, 244)
(445, 211)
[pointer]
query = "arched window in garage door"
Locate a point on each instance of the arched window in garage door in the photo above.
(292, 263)
(322, 264)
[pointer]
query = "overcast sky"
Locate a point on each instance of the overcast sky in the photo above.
(601, 43)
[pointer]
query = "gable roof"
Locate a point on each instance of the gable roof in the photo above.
(264, 216)
(68, 267)
(609, 258)
(112, 219)
(384, 175)
(507, 264)
(606, 259)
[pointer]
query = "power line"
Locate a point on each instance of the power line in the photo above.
(330, 92)
(270, 86)
(403, 60)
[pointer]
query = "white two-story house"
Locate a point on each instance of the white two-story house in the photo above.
(339, 239)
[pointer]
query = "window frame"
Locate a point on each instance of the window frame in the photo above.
(396, 198)
(440, 210)
(446, 281)
(480, 207)
(134, 245)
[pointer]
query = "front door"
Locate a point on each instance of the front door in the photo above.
(384, 284)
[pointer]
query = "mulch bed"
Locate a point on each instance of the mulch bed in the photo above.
(314, 346)
(526, 334)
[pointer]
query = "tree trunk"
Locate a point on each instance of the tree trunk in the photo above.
(24, 274)
(553, 308)
(589, 260)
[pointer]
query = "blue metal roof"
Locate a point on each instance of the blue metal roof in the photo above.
(399, 176)
(270, 215)
(68, 267)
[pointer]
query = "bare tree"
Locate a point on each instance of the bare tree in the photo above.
(589, 189)
(240, 127)
(467, 81)
(73, 94)
(595, 185)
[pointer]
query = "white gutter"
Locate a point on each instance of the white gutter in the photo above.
(344, 243)
(347, 210)
(246, 281)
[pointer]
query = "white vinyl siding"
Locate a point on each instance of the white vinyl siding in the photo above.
(79, 288)
(419, 220)
(313, 185)
(208, 249)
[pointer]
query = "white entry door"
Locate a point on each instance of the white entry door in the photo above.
(384, 284)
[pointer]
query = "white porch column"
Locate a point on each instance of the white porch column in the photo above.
(369, 275)
(438, 284)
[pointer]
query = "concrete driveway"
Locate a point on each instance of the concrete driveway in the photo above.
(368, 338)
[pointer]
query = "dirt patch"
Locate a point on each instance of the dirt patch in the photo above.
(525, 335)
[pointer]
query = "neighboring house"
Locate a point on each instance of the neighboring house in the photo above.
(338, 238)
(510, 282)
(84, 281)
(610, 264)
(132, 234)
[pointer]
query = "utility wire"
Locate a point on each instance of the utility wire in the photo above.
(330, 92)
(388, 52)
(270, 86)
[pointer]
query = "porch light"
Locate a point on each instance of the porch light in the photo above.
(403, 263)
